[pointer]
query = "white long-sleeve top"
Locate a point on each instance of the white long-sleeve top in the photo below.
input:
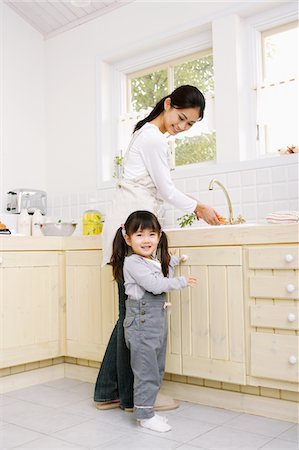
(145, 183)
(148, 155)
(142, 274)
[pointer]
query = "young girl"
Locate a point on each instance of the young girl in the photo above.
(146, 280)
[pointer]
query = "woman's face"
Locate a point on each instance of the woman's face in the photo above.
(178, 120)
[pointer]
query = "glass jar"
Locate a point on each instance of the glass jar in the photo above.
(92, 222)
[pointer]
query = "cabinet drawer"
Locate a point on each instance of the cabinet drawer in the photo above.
(213, 256)
(274, 316)
(274, 356)
(83, 258)
(274, 286)
(278, 257)
(28, 259)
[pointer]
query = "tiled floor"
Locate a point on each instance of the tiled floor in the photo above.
(60, 415)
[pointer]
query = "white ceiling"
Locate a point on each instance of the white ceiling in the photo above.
(51, 17)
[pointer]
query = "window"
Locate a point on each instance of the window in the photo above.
(277, 92)
(146, 88)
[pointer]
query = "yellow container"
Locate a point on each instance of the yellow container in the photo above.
(92, 222)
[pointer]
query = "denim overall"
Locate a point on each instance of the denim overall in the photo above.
(145, 328)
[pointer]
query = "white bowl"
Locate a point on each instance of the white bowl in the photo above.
(58, 229)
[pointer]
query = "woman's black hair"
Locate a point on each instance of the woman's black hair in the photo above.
(138, 220)
(185, 96)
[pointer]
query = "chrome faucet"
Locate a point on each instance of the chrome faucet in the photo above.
(231, 219)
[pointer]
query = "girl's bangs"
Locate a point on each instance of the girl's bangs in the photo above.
(144, 223)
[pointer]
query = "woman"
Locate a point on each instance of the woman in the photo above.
(145, 184)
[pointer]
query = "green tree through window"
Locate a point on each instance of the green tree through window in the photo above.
(199, 144)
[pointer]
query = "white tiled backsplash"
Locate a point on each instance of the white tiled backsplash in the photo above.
(254, 194)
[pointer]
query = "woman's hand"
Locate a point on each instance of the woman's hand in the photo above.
(206, 213)
(191, 281)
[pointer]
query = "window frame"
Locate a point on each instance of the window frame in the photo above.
(258, 26)
(168, 65)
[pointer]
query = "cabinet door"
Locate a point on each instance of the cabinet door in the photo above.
(213, 342)
(31, 306)
(174, 341)
(90, 297)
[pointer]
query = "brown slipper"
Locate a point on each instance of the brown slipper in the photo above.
(107, 405)
(165, 403)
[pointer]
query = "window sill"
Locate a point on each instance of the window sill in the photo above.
(214, 168)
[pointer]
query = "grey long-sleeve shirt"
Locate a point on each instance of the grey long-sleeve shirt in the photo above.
(141, 274)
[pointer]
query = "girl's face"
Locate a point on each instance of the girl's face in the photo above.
(143, 242)
(178, 120)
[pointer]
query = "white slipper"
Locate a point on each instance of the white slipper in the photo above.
(163, 418)
(155, 424)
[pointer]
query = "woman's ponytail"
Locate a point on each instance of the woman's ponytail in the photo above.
(119, 252)
(158, 109)
(165, 257)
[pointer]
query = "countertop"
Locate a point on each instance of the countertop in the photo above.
(187, 237)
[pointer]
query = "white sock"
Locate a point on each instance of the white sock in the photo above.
(163, 418)
(155, 424)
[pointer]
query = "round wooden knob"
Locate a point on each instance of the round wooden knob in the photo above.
(289, 258)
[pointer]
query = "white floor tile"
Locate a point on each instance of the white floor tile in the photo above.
(84, 389)
(63, 383)
(188, 447)
(280, 444)
(51, 422)
(113, 416)
(208, 414)
(292, 434)
(48, 443)
(228, 438)
(5, 400)
(85, 407)
(47, 396)
(13, 412)
(138, 441)
(12, 435)
(92, 433)
(259, 425)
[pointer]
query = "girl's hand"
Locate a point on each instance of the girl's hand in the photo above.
(191, 281)
(206, 213)
(183, 258)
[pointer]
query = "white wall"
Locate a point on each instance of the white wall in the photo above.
(23, 144)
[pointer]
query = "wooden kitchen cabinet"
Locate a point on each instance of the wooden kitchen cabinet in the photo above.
(90, 300)
(273, 315)
(31, 305)
(207, 334)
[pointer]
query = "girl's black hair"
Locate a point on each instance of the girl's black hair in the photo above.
(142, 220)
(185, 96)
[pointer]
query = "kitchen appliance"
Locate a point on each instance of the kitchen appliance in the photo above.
(30, 199)
(58, 229)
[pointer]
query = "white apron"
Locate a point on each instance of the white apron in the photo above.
(131, 195)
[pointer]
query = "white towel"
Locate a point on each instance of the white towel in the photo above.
(283, 217)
